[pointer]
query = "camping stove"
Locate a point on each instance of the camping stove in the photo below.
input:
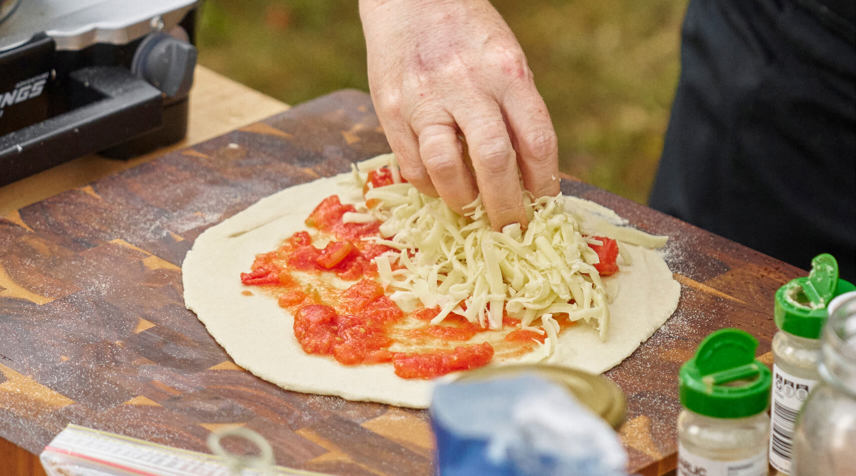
(83, 76)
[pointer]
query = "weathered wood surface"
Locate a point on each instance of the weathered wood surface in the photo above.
(93, 328)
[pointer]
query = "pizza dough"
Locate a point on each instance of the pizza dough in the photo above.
(257, 333)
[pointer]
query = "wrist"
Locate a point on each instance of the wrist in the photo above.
(369, 8)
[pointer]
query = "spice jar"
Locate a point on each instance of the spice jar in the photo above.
(800, 313)
(825, 436)
(723, 427)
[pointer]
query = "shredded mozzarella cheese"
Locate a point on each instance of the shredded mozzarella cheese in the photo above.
(459, 264)
(356, 217)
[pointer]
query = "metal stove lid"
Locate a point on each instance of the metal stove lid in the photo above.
(74, 25)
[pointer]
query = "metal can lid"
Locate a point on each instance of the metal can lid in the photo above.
(599, 394)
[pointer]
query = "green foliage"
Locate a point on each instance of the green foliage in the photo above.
(607, 69)
(292, 50)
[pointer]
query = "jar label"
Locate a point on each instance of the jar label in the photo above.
(690, 464)
(789, 394)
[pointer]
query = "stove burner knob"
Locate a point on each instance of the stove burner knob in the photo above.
(166, 63)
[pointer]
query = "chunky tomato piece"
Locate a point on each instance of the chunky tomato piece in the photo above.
(383, 310)
(350, 339)
(315, 328)
(354, 268)
(357, 338)
(327, 216)
(433, 364)
(608, 254)
(260, 276)
(360, 294)
(334, 253)
(381, 177)
(263, 271)
(301, 238)
(304, 258)
(355, 231)
(328, 213)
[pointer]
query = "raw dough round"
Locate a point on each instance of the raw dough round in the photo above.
(257, 333)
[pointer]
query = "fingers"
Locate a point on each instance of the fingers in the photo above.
(502, 147)
(534, 138)
(442, 155)
(494, 161)
(403, 142)
(410, 164)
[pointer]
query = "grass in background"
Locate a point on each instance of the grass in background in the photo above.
(607, 69)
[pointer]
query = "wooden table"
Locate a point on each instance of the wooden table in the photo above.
(94, 329)
(217, 105)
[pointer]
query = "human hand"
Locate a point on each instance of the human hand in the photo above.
(443, 71)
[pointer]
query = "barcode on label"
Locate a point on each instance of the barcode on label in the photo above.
(784, 419)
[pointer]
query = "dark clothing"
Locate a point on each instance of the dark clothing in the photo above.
(761, 144)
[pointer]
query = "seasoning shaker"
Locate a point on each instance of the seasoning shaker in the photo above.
(800, 313)
(723, 426)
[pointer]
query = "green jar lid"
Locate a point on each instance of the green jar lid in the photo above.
(723, 379)
(800, 307)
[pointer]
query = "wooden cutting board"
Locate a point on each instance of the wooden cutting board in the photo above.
(93, 328)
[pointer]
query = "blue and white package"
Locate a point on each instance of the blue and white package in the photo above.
(522, 425)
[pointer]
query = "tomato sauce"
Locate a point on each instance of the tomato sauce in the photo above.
(434, 364)
(444, 332)
(361, 324)
(525, 335)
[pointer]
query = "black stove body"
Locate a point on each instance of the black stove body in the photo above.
(83, 76)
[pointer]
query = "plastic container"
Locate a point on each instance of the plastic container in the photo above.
(725, 391)
(800, 313)
(527, 420)
(825, 436)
